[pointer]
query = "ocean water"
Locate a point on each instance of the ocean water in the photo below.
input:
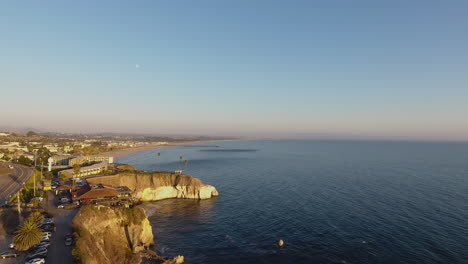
(330, 201)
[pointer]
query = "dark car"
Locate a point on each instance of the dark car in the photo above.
(39, 253)
(36, 256)
(46, 215)
(48, 228)
(6, 205)
(5, 255)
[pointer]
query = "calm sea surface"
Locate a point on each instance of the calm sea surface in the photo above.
(330, 201)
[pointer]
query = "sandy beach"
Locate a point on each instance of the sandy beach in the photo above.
(118, 153)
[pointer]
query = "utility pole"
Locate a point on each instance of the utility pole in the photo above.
(34, 175)
(19, 202)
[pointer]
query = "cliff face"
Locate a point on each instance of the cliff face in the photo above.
(152, 186)
(111, 235)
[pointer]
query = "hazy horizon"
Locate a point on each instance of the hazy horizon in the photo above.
(264, 69)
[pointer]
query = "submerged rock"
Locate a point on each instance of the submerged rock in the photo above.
(176, 260)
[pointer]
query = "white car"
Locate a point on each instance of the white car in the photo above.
(36, 261)
(68, 241)
(60, 206)
(12, 245)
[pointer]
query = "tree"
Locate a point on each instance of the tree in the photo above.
(157, 165)
(43, 155)
(24, 161)
(31, 134)
(181, 162)
(27, 236)
(76, 170)
(36, 217)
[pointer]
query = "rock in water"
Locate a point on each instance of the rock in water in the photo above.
(176, 260)
(153, 186)
(281, 243)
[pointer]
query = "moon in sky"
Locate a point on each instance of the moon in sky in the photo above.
(137, 66)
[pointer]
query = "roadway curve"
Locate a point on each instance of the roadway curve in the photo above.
(10, 183)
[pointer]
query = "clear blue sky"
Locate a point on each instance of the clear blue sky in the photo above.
(251, 68)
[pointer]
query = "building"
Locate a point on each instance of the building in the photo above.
(4, 134)
(86, 171)
(51, 148)
(67, 149)
(99, 196)
(13, 146)
(89, 159)
(62, 159)
(94, 158)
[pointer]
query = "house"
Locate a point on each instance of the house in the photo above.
(102, 195)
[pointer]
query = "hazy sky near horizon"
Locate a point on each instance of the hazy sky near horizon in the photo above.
(250, 68)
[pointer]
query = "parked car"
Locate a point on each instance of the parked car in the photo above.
(12, 245)
(49, 234)
(5, 255)
(32, 258)
(46, 215)
(47, 221)
(43, 245)
(68, 240)
(48, 228)
(40, 253)
(36, 261)
(6, 205)
(39, 247)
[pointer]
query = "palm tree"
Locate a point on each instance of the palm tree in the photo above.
(27, 236)
(76, 173)
(36, 217)
(157, 165)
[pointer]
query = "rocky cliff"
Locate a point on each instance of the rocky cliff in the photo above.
(152, 186)
(111, 235)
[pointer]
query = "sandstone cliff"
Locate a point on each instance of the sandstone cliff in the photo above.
(111, 235)
(152, 186)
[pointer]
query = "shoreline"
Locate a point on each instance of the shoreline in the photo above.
(120, 153)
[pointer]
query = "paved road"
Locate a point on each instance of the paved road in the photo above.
(10, 183)
(58, 253)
